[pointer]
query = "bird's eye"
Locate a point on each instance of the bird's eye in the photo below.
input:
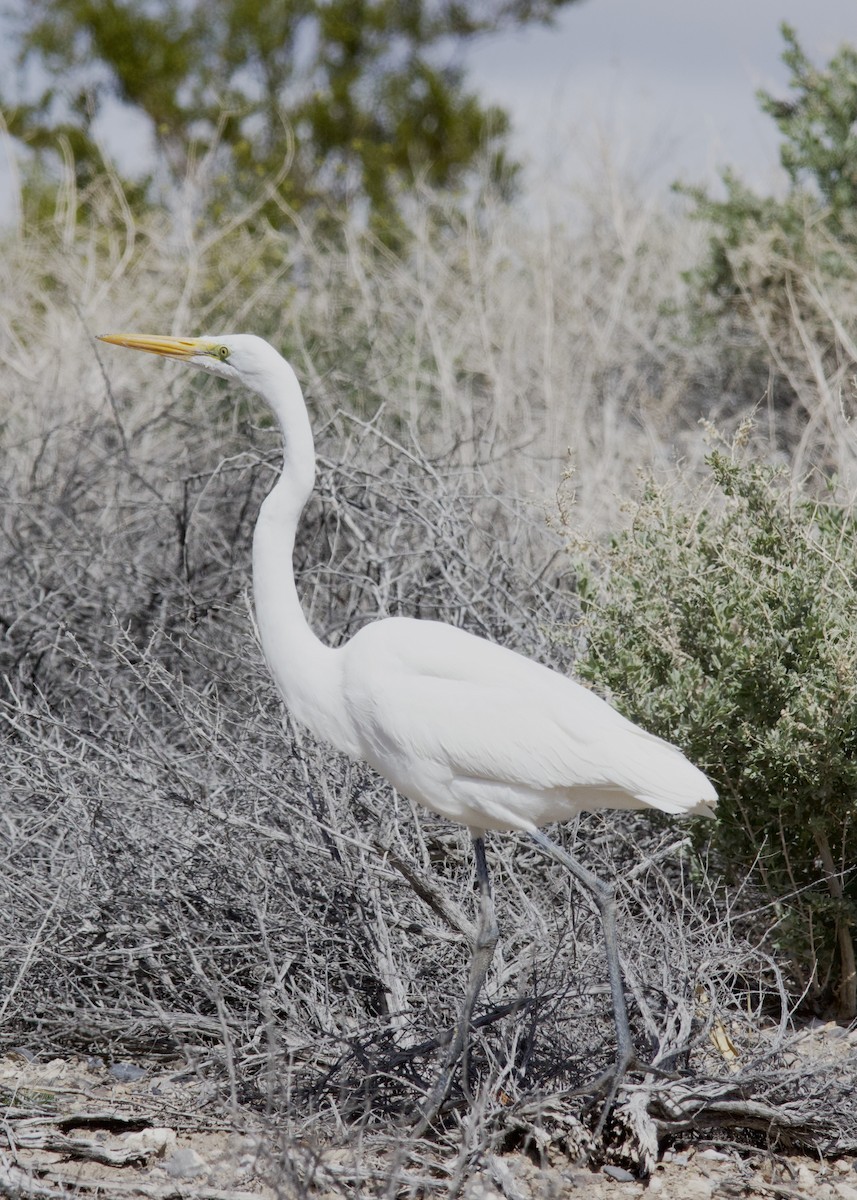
(223, 352)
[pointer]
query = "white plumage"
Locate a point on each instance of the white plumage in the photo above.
(494, 740)
(472, 730)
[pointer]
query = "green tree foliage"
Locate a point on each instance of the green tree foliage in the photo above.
(731, 629)
(339, 101)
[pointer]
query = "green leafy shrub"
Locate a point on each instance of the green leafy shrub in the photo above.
(731, 629)
(779, 276)
(819, 155)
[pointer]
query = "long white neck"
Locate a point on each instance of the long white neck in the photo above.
(305, 670)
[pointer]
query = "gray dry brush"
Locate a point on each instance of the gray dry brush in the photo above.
(188, 880)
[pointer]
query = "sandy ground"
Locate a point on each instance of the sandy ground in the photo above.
(78, 1127)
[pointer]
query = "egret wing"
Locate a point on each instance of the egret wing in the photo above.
(434, 701)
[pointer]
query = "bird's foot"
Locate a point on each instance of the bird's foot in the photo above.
(456, 1053)
(433, 1103)
(607, 1084)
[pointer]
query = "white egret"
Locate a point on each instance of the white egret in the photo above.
(473, 731)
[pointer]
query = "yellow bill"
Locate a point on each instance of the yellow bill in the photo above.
(169, 347)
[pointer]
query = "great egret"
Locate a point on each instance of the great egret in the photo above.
(472, 730)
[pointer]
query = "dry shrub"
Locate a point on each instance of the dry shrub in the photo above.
(799, 301)
(518, 341)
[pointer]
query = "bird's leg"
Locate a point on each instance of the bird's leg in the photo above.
(487, 934)
(605, 900)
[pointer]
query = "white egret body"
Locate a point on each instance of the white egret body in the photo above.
(473, 731)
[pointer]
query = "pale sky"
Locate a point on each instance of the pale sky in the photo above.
(671, 82)
(668, 84)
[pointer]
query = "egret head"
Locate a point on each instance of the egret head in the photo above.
(210, 353)
(240, 356)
